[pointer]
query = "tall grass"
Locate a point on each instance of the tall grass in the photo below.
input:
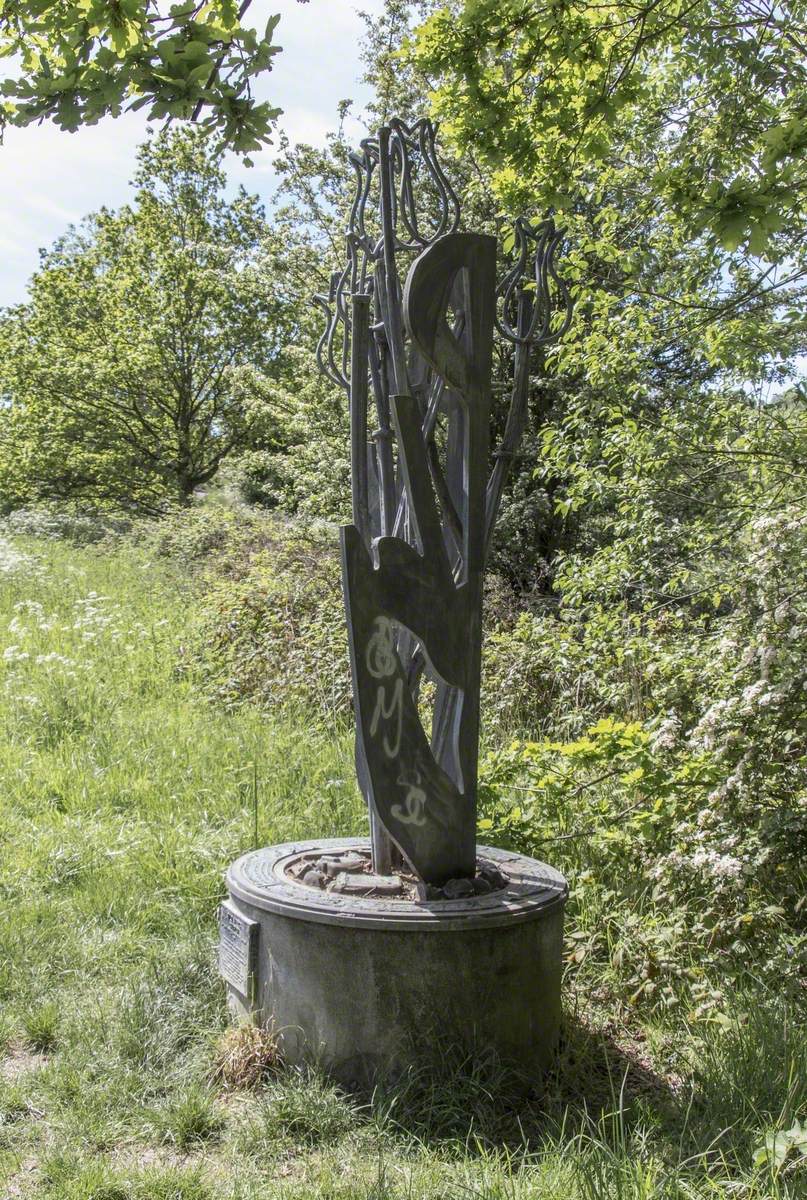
(123, 796)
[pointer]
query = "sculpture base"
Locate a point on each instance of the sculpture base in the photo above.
(365, 986)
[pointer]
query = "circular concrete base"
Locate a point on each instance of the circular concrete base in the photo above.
(366, 986)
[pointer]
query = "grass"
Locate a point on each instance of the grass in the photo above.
(246, 1056)
(123, 796)
(189, 1118)
(41, 1027)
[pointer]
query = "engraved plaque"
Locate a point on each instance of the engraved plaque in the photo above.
(238, 947)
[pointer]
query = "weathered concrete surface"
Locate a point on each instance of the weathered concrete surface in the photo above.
(363, 999)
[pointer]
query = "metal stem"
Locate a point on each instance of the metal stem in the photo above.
(360, 319)
(514, 426)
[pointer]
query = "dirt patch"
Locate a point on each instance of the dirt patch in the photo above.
(18, 1061)
(161, 1157)
(22, 1182)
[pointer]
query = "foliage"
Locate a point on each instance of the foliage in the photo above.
(190, 538)
(131, 371)
(701, 830)
(307, 471)
(782, 1143)
(691, 886)
(655, 525)
(76, 63)
(48, 522)
(270, 629)
(272, 626)
(687, 629)
(556, 94)
(646, 133)
(645, 672)
(126, 791)
(690, 607)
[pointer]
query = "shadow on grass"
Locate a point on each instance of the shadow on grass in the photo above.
(479, 1101)
(745, 1076)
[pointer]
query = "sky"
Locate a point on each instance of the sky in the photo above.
(49, 178)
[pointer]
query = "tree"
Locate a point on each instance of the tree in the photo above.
(317, 191)
(548, 91)
(133, 370)
(82, 61)
(670, 140)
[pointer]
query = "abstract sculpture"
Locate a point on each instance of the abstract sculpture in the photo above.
(425, 499)
(360, 955)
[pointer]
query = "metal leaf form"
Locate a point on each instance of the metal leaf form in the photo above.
(536, 247)
(405, 144)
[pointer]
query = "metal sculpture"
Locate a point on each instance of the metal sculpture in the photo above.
(424, 498)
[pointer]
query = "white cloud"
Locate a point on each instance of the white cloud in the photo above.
(49, 179)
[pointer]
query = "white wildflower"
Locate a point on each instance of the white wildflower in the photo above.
(752, 693)
(666, 736)
(32, 607)
(719, 866)
(43, 660)
(767, 657)
(15, 562)
(15, 654)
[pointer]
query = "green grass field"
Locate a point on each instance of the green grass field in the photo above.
(123, 796)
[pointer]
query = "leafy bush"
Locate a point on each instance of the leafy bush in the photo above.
(667, 883)
(193, 537)
(632, 766)
(632, 762)
(271, 627)
(676, 676)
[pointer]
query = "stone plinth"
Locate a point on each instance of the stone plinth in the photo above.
(365, 985)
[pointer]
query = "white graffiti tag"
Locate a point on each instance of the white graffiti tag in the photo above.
(382, 662)
(386, 712)
(381, 658)
(411, 811)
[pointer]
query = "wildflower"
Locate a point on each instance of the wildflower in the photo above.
(15, 654)
(752, 693)
(719, 866)
(666, 735)
(43, 660)
(15, 562)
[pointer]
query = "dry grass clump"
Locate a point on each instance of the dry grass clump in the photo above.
(246, 1057)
